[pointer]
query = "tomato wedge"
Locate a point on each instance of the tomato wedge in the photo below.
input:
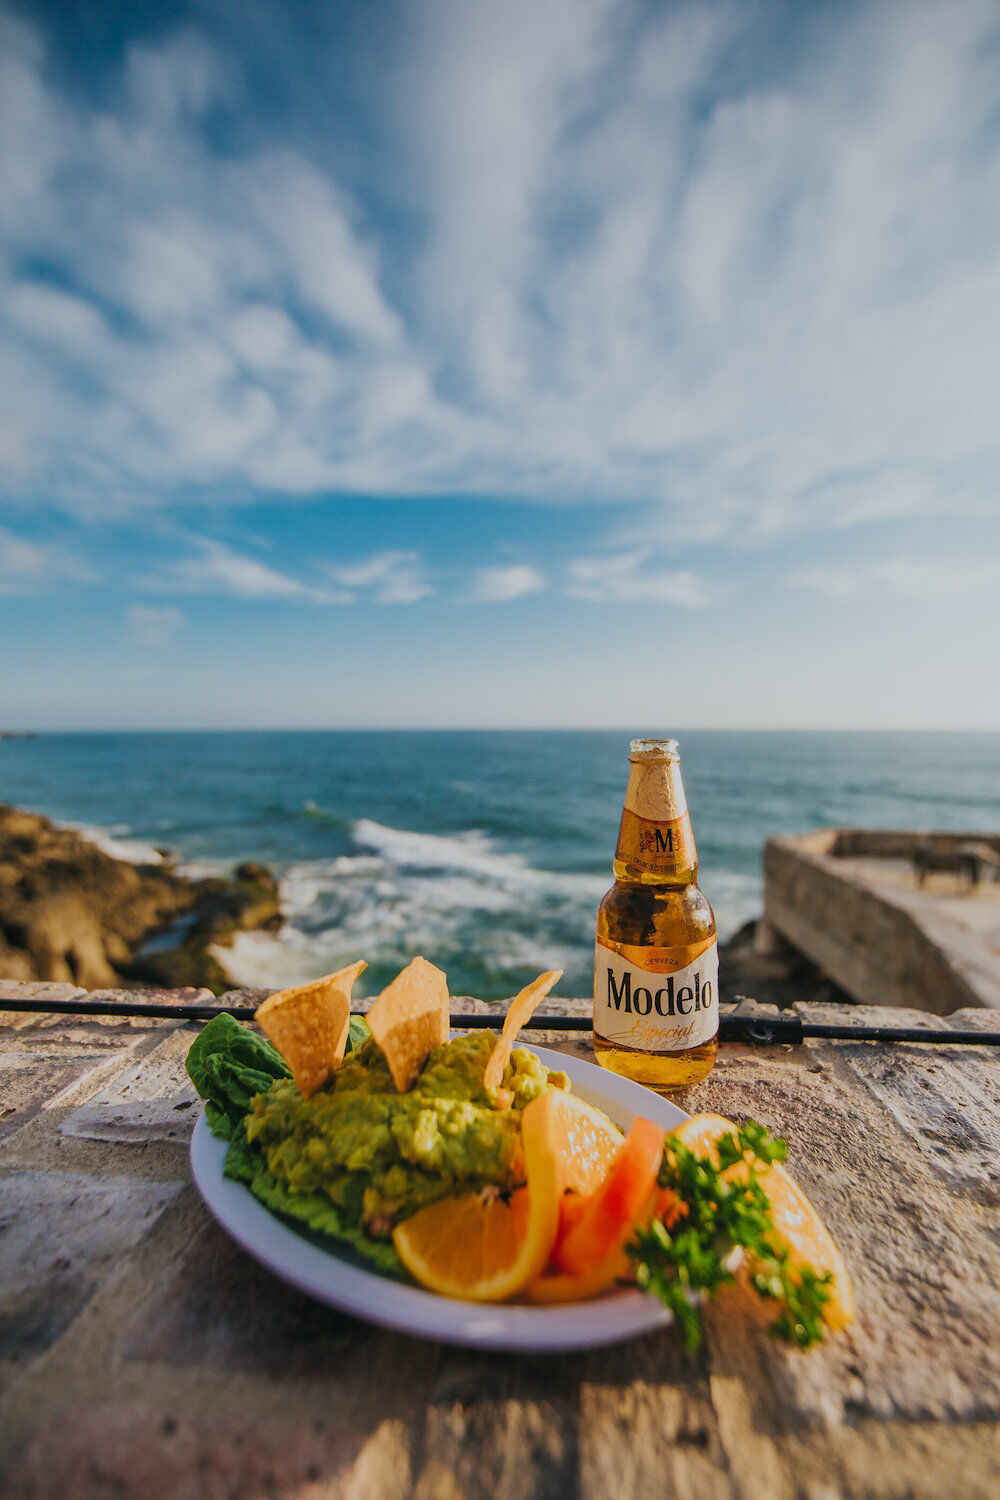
(603, 1222)
(572, 1206)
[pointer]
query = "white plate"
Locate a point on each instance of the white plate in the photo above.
(324, 1274)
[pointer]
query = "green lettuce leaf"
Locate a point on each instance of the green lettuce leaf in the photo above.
(228, 1064)
(357, 1032)
(242, 1161)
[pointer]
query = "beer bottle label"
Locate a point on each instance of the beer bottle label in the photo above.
(643, 1000)
(657, 848)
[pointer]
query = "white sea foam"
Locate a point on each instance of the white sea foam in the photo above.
(137, 852)
(736, 898)
(261, 959)
(405, 893)
(110, 840)
(470, 852)
(204, 869)
(298, 891)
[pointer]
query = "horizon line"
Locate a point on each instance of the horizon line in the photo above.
(631, 730)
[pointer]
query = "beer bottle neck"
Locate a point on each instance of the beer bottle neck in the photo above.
(655, 842)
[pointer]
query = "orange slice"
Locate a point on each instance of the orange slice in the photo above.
(479, 1248)
(613, 1210)
(471, 1246)
(560, 1286)
(615, 1267)
(797, 1225)
(588, 1142)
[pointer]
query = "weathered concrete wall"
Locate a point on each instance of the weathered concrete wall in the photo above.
(885, 843)
(890, 843)
(872, 946)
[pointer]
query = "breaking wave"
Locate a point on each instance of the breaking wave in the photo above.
(486, 916)
(508, 881)
(112, 841)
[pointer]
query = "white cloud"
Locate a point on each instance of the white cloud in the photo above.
(212, 567)
(20, 560)
(216, 569)
(755, 306)
(26, 566)
(901, 578)
(631, 578)
(384, 578)
(152, 626)
(310, 222)
(501, 584)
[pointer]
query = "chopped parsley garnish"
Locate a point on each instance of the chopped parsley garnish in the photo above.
(687, 1251)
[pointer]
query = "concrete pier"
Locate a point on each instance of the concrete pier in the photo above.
(853, 902)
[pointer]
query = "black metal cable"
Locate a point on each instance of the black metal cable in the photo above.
(763, 1030)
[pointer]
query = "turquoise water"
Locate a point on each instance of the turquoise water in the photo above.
(485, 851)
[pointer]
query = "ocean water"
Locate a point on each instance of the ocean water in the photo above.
(487, 851)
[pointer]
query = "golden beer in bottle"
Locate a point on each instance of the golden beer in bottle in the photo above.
(656, 969)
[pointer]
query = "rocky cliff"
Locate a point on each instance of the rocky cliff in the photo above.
(69, 911)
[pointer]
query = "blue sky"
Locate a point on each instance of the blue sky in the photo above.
(467, 364)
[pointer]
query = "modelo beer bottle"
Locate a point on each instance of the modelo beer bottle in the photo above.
(656, 971)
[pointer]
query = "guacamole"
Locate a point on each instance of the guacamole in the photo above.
(379, 1155)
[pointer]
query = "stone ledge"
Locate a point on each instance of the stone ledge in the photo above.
(145, 1354)
(556, 1005)
(852, 907)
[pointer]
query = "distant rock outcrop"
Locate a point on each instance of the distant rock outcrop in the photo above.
(71, 912)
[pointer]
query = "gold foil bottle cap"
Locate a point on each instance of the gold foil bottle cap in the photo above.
(653, 750)
(655, 790)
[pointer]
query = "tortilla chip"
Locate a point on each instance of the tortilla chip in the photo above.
(410, 1018)
(308, 1025)
(520, 1010)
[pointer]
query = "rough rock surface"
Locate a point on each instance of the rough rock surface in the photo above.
(143, 1354)
(756, 961)
(71, 913)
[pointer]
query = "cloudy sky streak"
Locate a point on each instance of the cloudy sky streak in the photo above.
(716, 286)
